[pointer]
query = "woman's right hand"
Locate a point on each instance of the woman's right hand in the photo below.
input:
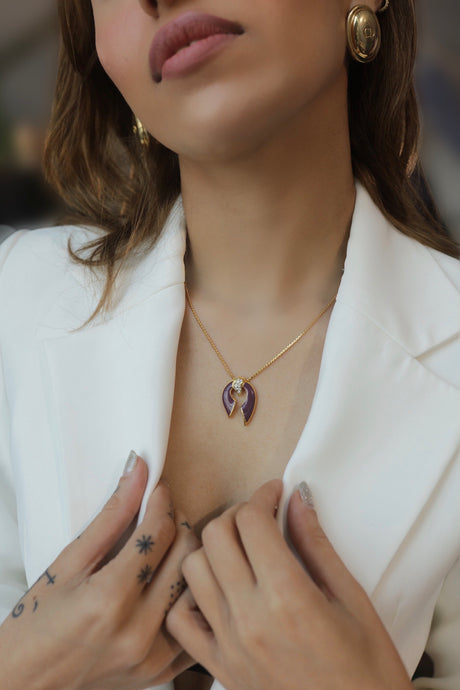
(88, 623)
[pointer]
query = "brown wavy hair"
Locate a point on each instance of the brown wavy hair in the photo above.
(95, 161)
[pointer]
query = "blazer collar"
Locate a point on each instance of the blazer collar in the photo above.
(143, 277)
(388, 277)
(397, 282)
(394, 303)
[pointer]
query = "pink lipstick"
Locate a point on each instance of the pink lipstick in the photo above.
(185, 42)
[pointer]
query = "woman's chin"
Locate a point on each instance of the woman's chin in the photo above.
(222, 144)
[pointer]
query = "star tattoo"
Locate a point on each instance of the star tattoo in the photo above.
(145, 575)
(144, 544)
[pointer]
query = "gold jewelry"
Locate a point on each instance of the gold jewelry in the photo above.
(385, 6)
(240, 383)
(363, 33)
(141, 133)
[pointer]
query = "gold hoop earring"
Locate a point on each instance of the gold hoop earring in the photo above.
(363, 33)
(385, 6)
(141, 133)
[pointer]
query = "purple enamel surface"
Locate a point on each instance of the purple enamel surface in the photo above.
(248, 407)
(227, 399)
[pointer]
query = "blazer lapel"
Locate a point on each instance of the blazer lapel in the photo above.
(378, 413)
(111, 385)
(383, 429)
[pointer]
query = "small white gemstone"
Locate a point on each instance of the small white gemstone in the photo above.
(238, 385)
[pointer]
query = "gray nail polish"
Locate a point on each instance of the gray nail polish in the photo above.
(306, 494)
(130, 463)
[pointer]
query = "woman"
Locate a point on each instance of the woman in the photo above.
(289, 153)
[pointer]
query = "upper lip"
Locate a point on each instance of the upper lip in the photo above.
(180, 32)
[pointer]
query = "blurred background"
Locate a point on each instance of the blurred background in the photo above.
(28, 52)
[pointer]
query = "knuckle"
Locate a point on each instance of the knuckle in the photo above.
(250, 633)
(109, 605)
(211, 532)
(279, 604)
(100, 613)
(190, 562)
(132, 649)
(247, 514)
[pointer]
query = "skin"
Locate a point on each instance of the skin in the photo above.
(261, 132)
(250, 602)
(262, 137)
(93, 620)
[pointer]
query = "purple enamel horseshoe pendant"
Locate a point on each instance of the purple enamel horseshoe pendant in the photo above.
(248, 407)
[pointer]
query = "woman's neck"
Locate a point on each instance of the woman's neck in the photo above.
(269, 228)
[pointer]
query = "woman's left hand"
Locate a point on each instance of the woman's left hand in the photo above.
(255, 619)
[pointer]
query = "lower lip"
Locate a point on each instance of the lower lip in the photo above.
(188, 58)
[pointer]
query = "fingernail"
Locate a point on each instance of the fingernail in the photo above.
(130, 463)
(306, 494)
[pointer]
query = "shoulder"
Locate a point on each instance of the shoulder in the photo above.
(438, 285)
(42, 288)
(409, 291)
(35, 265)
(444, 360)
(449, 265)
(48, 245)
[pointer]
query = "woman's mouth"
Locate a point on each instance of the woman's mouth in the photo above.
(185, 42)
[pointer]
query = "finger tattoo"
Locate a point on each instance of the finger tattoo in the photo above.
(145, 575)
(176, 590)
(18, 609)
(144, 544)
(50, 579)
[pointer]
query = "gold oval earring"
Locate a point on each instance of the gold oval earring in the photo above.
(141, 132)
(363, 33)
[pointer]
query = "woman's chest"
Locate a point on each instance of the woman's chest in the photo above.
(214, 460)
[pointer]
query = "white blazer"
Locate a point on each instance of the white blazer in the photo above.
(380, 448)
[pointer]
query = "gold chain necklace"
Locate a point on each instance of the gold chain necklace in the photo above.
(240, 383)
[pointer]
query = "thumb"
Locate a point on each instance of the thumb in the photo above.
(104, 532)
(314, 548)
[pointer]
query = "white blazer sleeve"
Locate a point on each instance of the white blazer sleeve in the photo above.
(12, 576)
(444, 641)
